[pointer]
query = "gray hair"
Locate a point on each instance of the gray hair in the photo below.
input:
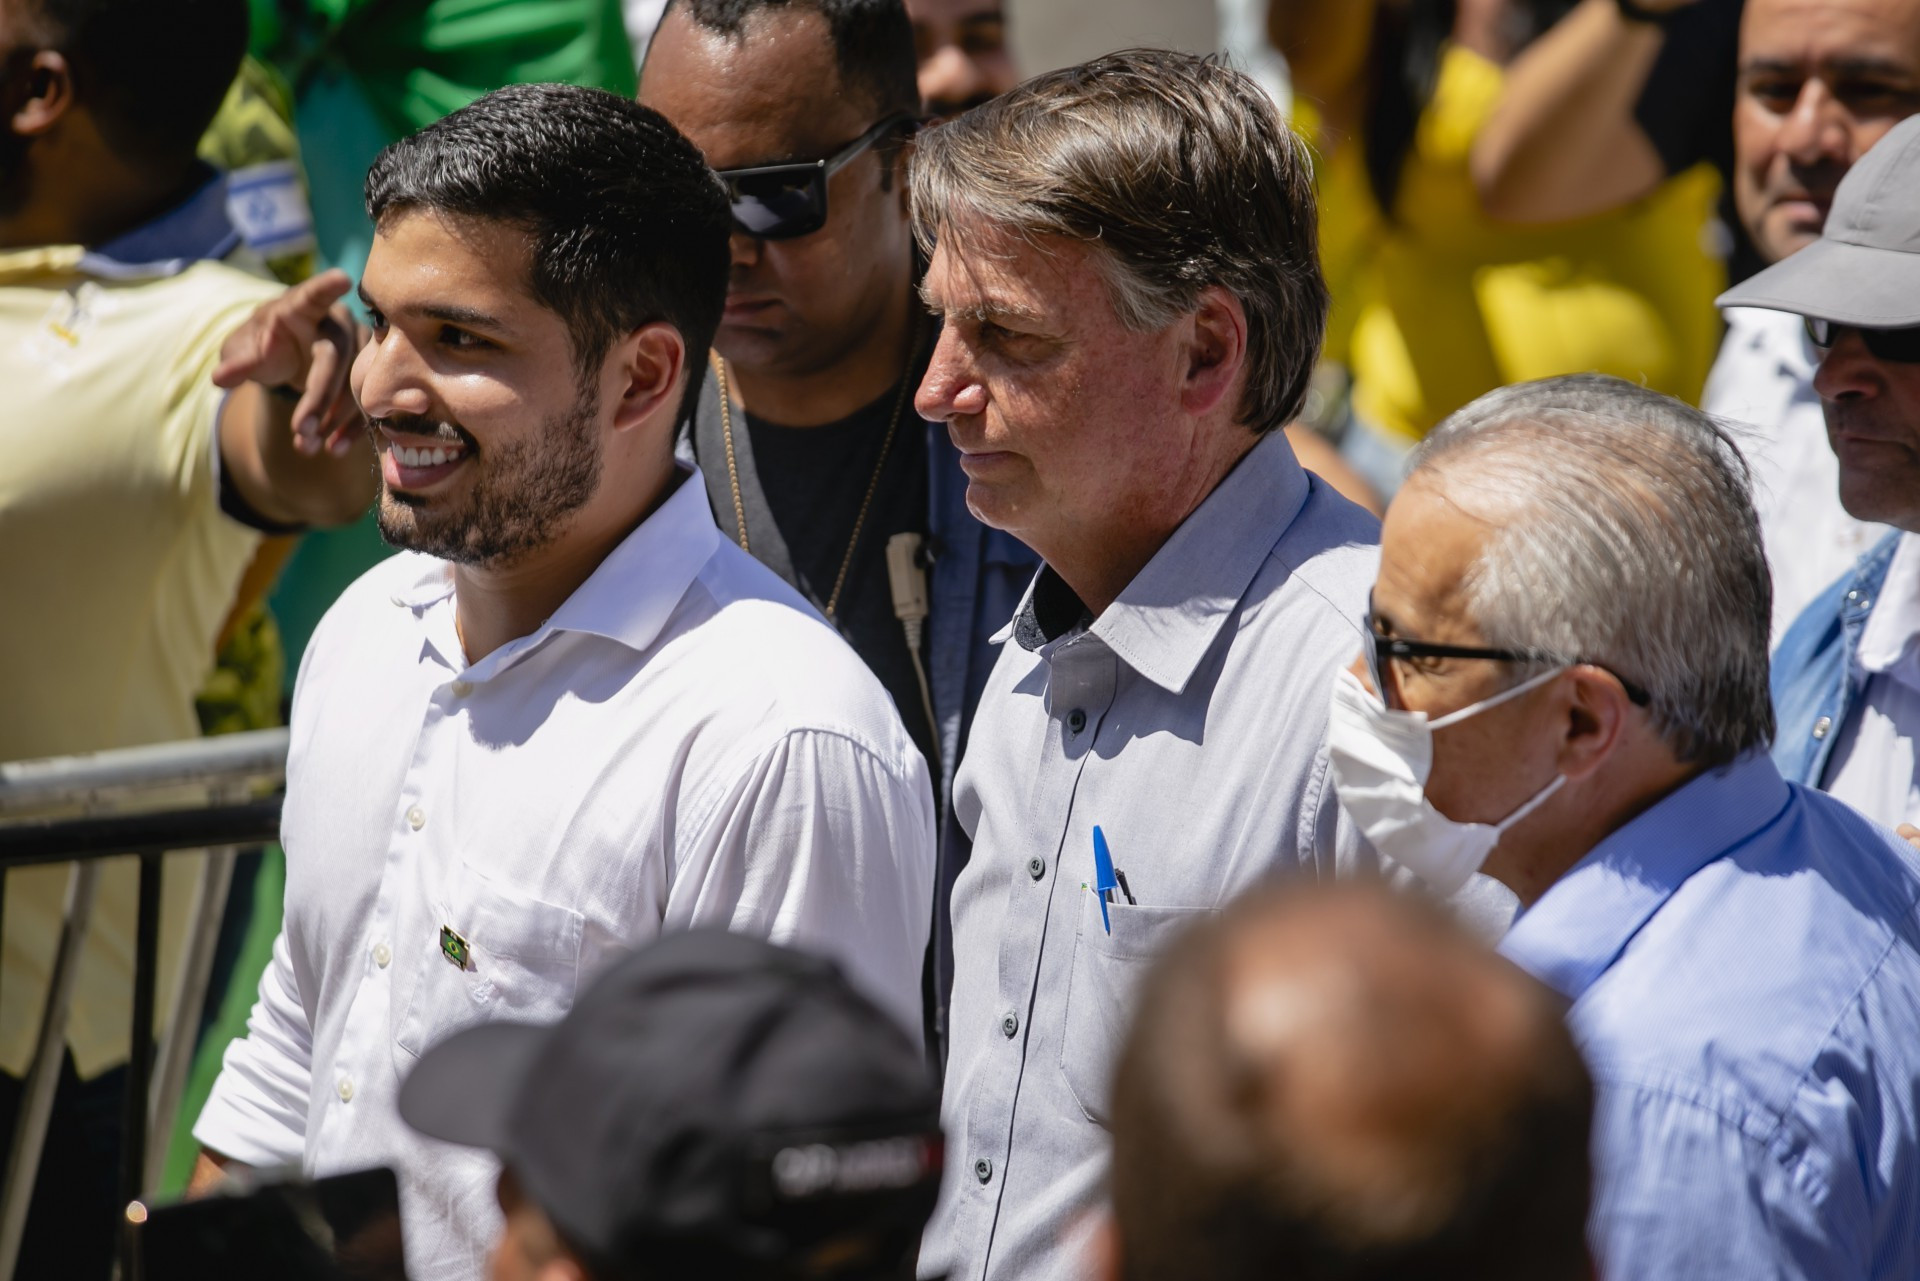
(1625, 536)
(1179, 173)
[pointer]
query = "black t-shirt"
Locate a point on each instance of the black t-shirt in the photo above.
(1686, 107)
(801, 488)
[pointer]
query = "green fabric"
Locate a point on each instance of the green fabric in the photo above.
(418, 61)
(269, 887)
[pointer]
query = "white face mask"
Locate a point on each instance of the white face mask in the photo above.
(1381, 760)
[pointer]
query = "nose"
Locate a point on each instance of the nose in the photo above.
(744, 250)
(1816, 128)
(949, 76)
(950, 390)
(1848, 371)
(388, 378)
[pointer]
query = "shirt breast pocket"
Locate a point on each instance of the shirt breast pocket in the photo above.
(1102, 990)
(523, 965)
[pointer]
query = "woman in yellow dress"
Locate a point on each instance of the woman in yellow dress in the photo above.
(1433, 302)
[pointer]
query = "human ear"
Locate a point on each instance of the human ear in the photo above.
(1216, 350)
(39, 93)
(648, 362)
(1597, 711)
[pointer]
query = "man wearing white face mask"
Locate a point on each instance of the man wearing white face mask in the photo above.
(1566, 688)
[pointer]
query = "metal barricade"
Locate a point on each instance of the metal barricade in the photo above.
(218, 794)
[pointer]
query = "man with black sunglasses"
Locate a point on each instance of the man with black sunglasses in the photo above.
(1566, 688)
(814, 457)
(1846, 678)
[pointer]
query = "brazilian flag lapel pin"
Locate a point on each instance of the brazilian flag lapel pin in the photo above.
(454, 947)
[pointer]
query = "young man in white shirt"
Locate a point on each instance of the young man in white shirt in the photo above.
(581, 717)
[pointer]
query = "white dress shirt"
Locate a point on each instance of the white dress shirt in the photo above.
(685, 742)
(1873, 767)
(1762, 388)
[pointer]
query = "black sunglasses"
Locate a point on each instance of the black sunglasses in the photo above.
(1902, 346)
(1380, 648)
(781, 202)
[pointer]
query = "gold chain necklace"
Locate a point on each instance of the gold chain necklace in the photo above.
(873, 482)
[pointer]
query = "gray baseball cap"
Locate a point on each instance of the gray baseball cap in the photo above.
(1865, 268)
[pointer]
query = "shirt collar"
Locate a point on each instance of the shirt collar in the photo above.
(1577, 929)
(1892, 632)
(196, 229)
(1168, 617)
(631, 594)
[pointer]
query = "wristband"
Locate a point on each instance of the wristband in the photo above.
(1632, 11)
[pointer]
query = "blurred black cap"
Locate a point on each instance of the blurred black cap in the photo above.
(713, 1100)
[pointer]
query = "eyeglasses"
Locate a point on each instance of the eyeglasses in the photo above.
(1902, 346)
(1388, 648)
(782, 202)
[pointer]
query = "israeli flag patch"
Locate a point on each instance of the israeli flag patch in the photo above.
(269, 209)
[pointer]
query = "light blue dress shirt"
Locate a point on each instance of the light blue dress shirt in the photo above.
(1743, 961)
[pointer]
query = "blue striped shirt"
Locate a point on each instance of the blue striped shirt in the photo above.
(1743, 960)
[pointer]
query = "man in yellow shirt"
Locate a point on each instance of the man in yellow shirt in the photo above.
(135, 491)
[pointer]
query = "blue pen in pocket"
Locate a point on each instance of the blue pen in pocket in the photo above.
(1104, 880)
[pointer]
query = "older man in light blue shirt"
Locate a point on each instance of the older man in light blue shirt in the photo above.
(1566, 687)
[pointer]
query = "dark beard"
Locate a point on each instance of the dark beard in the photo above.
(516, 503)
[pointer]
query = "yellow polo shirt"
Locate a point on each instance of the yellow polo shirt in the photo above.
(117, 567)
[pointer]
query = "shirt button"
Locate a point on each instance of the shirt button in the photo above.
(1821, 726)
(1036, 867)
(416, 818)
(983, 1170)
(1010, 1024)
(461, 688)
(382, 954)
(1076, 720)
(346, 1089)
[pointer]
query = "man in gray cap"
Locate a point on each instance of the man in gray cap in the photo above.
(713, 1106)
(1846, 675)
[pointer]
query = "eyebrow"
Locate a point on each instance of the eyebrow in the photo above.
(453, 313)
(1381, 624)
(991, 309)
(1844, 66)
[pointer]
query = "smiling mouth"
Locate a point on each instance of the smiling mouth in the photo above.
(428, 457)
(405, 466)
